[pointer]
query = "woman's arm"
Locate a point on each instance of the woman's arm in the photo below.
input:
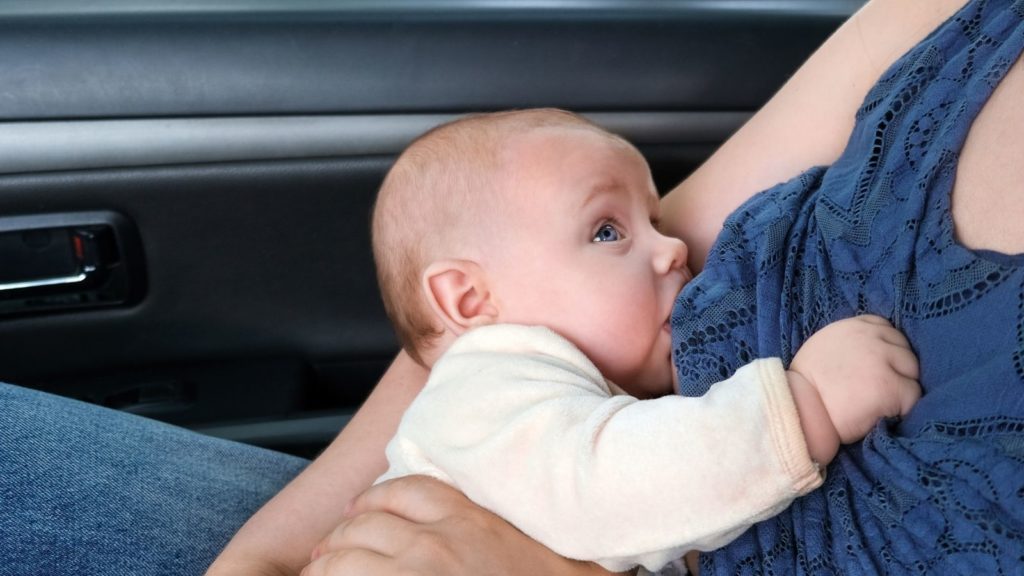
(278, 539)
(807, 123)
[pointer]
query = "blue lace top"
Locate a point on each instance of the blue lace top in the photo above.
(941, 492)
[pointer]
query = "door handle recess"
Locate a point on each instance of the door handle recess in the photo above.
(52, 262)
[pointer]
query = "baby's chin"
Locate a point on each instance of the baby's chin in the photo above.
(666, 388)
(648, 390)
(669, 383)
(650, 383)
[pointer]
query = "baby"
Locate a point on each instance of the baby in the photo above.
(519, 258)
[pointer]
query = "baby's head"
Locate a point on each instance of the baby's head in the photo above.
(531, 217)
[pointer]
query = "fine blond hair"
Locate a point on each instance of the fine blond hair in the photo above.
(439, 195)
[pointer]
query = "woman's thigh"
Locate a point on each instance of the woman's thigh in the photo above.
(86, 490)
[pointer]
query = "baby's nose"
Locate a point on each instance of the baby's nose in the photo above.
(671, 255)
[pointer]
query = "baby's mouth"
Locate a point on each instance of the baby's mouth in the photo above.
(687, 276)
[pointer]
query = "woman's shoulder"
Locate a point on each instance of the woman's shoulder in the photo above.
(806, 123)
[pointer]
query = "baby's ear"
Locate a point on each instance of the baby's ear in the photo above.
(458, 293)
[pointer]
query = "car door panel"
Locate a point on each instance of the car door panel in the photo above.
(245, 147)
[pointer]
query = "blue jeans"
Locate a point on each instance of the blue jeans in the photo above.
(87, 490)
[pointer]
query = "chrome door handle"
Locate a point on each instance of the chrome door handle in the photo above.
(43, 282)
(68, 260)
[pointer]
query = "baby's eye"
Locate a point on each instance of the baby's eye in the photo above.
(607, 233)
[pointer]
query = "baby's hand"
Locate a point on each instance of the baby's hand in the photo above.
(863, 369)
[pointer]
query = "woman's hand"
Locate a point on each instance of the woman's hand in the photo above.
(420, 526)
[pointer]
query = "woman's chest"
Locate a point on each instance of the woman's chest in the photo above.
(988, 193)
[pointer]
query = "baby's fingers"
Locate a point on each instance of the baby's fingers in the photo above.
(873, 319)
(904, 362)
(894, 337)
(885, 331)
(908, 393)
(907, 371)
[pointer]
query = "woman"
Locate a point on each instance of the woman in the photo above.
(418, 526)
(950, 156)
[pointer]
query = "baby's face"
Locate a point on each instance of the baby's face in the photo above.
(580, 254)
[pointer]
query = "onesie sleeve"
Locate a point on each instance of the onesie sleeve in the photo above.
(524, 424)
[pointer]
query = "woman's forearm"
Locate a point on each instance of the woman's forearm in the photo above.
(278, 539)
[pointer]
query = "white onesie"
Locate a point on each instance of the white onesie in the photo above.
(519, 420)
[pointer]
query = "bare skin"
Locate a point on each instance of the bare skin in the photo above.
(277, 540)
(986, 214)
(807, 123)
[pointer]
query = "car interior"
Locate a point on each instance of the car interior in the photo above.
(186, 187)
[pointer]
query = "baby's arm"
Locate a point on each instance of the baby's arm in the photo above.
(847, 376)
(534, 435)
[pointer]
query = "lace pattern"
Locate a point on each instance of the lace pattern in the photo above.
(941, 492)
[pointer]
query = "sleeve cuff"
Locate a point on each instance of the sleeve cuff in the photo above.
(787, 435)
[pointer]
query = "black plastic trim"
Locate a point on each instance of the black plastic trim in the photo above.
(660, 56)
